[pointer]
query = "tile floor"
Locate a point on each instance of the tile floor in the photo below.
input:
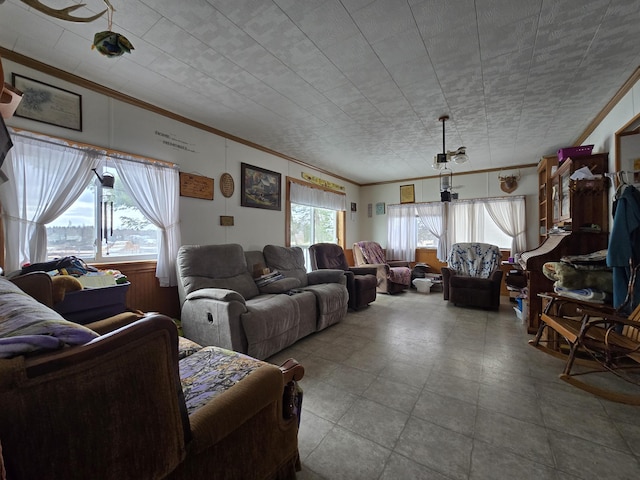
(414, 388)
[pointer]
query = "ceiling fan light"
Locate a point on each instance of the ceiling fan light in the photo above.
(439, 162)
(460, 156)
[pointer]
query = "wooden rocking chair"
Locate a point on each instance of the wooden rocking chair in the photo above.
(599, 339)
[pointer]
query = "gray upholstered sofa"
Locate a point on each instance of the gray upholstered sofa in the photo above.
(222, 305)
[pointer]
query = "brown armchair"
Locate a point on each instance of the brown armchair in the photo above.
(473, 276)
(361, 281)
(119, 408)
(393, 275)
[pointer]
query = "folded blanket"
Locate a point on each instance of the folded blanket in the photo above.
(586, 294)
(590, 261)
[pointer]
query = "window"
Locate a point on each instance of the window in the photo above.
(311, 225)
(499, 221)
(426, 239)
(470, 222)
(51, 189)
(103, 225)
(314, 215)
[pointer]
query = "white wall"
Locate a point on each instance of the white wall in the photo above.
(603, 137)
(117, 125)
(120, 126)
(467, 185)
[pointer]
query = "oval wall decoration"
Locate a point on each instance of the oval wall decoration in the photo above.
(226, 185)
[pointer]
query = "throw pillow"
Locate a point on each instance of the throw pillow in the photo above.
(23, 316)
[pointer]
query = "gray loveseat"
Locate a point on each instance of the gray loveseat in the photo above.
(222, 305)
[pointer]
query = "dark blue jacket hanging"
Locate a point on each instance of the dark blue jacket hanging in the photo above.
(624, 245)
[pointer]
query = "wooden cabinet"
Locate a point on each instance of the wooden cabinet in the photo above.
(580, 205)
(571, 205)
(546, 168)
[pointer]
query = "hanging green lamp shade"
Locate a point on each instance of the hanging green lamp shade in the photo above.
(111, 44)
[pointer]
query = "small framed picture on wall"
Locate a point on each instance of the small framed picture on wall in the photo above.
(407, 194)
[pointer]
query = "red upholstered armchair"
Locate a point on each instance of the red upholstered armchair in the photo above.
(361, 281)
(393, 275)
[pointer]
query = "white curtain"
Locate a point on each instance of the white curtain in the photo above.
(434, 217)
(316, 197)
(466, 222)
(45, 177)
(509, 214)
(402, 232)
(155, 189)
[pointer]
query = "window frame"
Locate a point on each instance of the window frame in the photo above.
(341, 215)
(97, 212)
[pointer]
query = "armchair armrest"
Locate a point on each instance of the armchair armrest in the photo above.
(105, 399)
(292, 372)
(380, 267)
(227, 411)
(265, 386)
(496, 275)
(363, 270)
(36, 284)
(447, 273)
(221, 294)
(112, 323)
(325, 275)
(397, 263)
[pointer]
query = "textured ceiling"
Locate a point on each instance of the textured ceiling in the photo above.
(355, 87)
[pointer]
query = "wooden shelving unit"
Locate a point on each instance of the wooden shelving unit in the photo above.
(545, 212)
(578, 204)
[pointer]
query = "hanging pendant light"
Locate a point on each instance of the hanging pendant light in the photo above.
(446, 178)
(441, 162)
(458, 156)
(109, 43)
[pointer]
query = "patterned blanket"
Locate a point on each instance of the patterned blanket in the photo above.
(210, 371)
(474, 259)
(372, 252)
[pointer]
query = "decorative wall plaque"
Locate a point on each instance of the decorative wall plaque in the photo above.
(196, 186)
(226, 185)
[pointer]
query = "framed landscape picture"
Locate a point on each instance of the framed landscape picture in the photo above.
(48, 104)
(260, 188)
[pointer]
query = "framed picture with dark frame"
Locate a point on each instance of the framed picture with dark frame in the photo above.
(48, 104)
(260, 188)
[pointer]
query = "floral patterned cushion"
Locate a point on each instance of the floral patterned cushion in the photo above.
(210, 371)
(187, 347)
